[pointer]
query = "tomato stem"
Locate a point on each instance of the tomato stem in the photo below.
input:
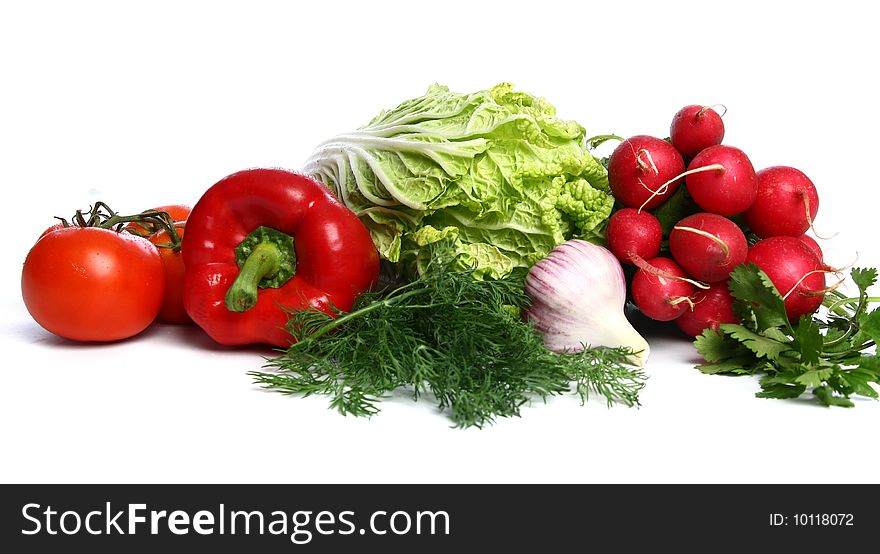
(152, 221)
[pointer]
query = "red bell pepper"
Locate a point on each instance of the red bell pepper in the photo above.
(265, 240)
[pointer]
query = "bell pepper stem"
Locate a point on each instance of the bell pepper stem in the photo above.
(264, 261)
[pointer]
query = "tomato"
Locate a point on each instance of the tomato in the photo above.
(52, 228)
(93, 284)
(178, 212)
(172, 310)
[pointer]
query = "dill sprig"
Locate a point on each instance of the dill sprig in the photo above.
(447, 336)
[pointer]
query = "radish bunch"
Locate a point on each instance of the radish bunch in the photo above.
(683, 275)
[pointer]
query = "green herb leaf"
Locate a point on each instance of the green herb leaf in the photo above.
(814, 377)
(869, 363)
(864, 278)
(776, 334)
(869, 325)
(714, 348)
(835, 340)
(757, 297)
(780, 387)
(741, 365)
(808, 340)
(828, 398)
(859, 382)
(760, 345)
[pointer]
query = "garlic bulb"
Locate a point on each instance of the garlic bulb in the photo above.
(578, 293)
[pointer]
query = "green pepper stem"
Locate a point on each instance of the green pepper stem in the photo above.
(264, 261)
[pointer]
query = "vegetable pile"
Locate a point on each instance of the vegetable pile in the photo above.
(470, 249)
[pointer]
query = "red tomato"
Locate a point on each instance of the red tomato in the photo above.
(172, 310)
(52, 228)
(93, 284)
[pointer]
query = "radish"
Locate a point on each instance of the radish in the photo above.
(795, 271)
(695, 128)
(711, 308)
(661, 289)
(814, 246)
(643, 170)
(631, 232)
(786, 204)
(722, 180)
(708, 246)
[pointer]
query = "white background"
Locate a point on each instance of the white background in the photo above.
(142, 105)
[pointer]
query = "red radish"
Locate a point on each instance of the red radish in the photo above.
(631, 232)
(661, 289)
(708, 246)
(795, 270)
(642, 172)
(723, 180)
(814, 246)
(711, 308)
(786, 204)
(695, 128)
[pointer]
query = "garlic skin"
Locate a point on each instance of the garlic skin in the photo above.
(578, 293)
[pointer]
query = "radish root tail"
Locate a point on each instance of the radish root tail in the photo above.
(712, 107)
(681, 300)
(806, 198)
(839, 270)
(643, 165)
(826, 290)
(801, 280)
(640, 263)
(721, 244)
(664, 188)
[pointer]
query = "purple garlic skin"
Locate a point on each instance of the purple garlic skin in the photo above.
(578, 293)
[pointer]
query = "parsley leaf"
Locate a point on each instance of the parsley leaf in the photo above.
(814, 377)
(741, 365)
(859, 382)
(869, 324)
(827, 397)
(714, 348)
(780, 386)
(758, 299)
(763, 347)
(864, 278)
(808, 340)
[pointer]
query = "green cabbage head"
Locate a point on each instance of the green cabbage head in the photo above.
(493, 174)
